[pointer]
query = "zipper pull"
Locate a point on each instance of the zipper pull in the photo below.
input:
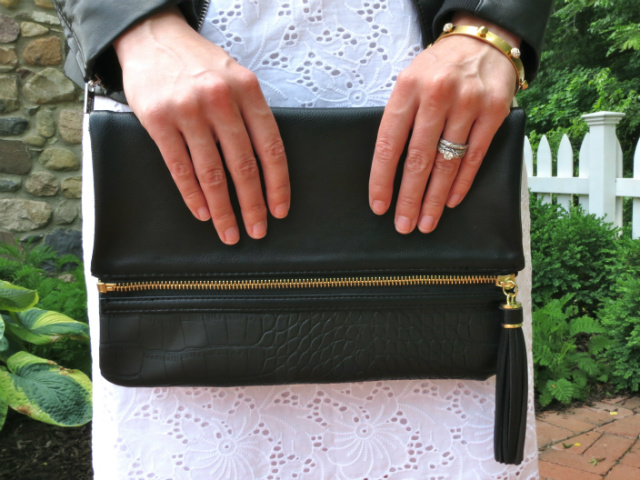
(106, 287)
(90, 88)
(510, 290)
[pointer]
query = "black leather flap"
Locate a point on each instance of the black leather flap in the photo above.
(144, 230)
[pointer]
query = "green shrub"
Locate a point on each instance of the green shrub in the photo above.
(620, 315)
(627, 260)
(576, 259)
(565, 350)
(572, 253)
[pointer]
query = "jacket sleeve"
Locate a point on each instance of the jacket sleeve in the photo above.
(525, 18)
(91, 26)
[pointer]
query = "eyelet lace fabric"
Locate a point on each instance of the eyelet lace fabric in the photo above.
(313, 53)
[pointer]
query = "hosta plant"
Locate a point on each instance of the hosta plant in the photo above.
(31, 385)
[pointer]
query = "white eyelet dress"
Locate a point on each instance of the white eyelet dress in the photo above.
(314, 53)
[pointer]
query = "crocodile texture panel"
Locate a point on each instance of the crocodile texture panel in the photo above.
(155, 342)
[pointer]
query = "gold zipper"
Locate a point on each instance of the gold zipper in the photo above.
(506, 282)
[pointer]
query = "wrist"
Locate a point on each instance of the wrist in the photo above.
(161, 26)
(498, 38)
(464, 18)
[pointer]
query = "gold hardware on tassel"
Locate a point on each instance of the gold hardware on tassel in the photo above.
(509, 325)
(510, 290)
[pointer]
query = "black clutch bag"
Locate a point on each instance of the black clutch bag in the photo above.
(332, 294)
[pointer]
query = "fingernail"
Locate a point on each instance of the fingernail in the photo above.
(203, 214)
(403, 225)
(259, 230)
(231, 236)
(427, 224)
(379, 207)
(454, 200)
(281, 210)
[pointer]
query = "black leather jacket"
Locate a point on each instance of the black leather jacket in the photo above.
(91, 26)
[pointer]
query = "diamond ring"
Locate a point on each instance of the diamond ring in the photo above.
(452, 150)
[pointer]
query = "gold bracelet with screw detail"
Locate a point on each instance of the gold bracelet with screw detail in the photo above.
(483, 34)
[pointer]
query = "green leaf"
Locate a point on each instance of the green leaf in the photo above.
(579, 380)
(4, 408)
(545, 398)
(561, 389)
(4, 343)
(45, 391)
(68, 259)
(42, 326)
(598, 343)
(584, 325)
(543, 355)
(16, 299)
(589, 365)
(13, 345)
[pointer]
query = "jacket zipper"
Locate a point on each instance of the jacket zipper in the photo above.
(204, 6)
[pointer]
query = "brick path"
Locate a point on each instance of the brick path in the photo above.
(601, 441)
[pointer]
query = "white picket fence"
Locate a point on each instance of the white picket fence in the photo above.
(599, 184)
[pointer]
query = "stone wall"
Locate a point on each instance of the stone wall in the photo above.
(40, 129)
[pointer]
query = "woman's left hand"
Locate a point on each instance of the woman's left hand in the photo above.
(460, 89)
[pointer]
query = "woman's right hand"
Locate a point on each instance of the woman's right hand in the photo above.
(190, 94)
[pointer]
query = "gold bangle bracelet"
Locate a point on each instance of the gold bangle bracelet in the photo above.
(483, 34)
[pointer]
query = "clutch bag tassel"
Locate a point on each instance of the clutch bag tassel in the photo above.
(511, 385)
